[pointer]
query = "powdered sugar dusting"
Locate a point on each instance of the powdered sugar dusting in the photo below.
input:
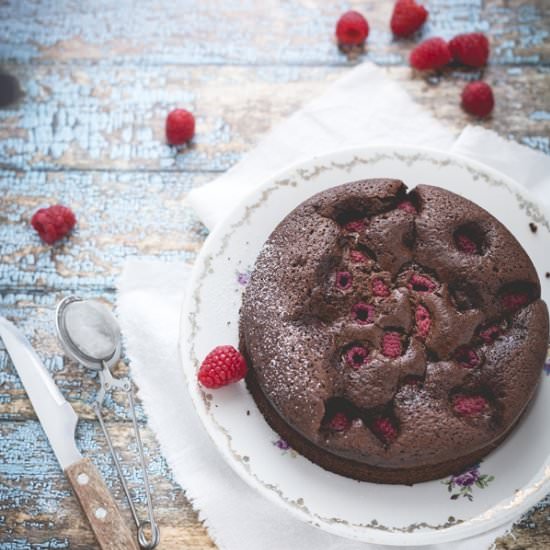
(308, 337)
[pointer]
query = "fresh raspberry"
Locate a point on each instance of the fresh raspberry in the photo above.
(466, 357)
(180, 127)
(490, 333)
(407, 17)
(514, 300)
(343, 280)
(53, 223)
(356, 356)
(384, 429)
(339, 422)
(391, 345)
(362, 313)
(478, 99)
(471, 49)
(222, 366)
(407, 206)
(465, 244)
(423, 320)
(430, 54)
(352, 29)
(355, 226)
(469, 404)
(421, 283)
(380, 288)
(357, 257)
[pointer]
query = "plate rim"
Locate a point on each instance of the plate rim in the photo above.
(499, 514)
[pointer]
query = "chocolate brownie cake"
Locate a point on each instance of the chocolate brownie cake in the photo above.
(393, 337)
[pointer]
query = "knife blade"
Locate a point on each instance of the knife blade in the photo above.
(56, 415)
(58, 419)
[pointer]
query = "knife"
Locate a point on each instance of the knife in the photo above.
(59, 420)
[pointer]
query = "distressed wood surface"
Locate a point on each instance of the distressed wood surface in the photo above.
(120, 214)
(37, 506)
(111, 117)
(97, 82)
(291, 32)
(111, 528)
(34, 314)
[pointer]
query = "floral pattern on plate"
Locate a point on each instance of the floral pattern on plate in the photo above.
(243, 277)
(284, 447)
(381, 514)
(462, 485)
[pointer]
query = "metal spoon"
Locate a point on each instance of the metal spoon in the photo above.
(90, 334)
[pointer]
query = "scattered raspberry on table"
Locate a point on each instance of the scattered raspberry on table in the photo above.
(180, 127)
(53, 223)
(431, 54)
(352, 29)
(478, 99)
(222, 366)
(470, 49)
(407, 17)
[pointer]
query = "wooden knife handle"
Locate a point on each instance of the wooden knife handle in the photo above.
(109, 527)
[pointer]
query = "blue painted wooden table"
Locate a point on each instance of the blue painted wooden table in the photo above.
(97, 80)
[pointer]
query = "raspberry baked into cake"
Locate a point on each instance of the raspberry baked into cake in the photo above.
(392, 337)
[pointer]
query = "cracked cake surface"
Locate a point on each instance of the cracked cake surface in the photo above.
(392, 336)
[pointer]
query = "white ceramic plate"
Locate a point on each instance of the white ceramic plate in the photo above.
(506, 483)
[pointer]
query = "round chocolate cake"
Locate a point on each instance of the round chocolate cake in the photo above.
(393, 337)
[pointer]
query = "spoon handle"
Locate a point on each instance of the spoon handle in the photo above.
(108, 525)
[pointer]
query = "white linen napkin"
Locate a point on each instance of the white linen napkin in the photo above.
(364, 107)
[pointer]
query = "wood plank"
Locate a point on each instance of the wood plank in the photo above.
(531, 532)
(38, 508)
(34, 314)
(119, 215)
(110, 117)
(98, 84)
(246, 32)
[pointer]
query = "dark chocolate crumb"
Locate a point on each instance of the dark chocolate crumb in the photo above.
(548, 274)
(247, 413)
(533, 227)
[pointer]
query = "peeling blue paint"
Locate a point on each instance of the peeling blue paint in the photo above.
(89, 133)
(31, 478)
(145, 213)
(78, 385)
(542, 143)
(540, 115)
(68, 123)
(219, 31)
(22, 544)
